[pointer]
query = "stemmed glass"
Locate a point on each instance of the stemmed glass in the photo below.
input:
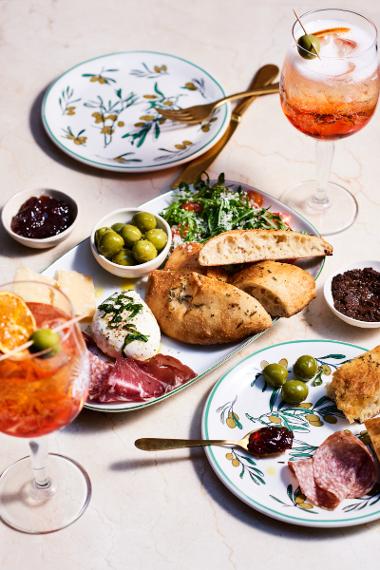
(328, 97)
(39, 394)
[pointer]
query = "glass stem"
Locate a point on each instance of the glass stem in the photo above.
(39, 457)
(324, 155)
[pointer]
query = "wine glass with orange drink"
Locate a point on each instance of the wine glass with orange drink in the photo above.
(329, 89)
(44, 375)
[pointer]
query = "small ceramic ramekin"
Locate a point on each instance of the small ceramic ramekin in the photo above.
(125, 215)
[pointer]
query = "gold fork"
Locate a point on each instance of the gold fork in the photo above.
(198, 113)
(158, 444)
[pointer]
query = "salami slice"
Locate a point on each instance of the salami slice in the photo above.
(303, 471)
(344, 466)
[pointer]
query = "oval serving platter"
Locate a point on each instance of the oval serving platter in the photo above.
(241, 402)
(202, 359)
(105, 111)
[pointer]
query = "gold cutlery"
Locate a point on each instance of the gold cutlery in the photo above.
(161, 444)
(198, 113)
(264, 76)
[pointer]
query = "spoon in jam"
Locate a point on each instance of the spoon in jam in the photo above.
(262, 442)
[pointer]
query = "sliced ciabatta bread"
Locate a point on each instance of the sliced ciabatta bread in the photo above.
(243, 246)
(282, 288)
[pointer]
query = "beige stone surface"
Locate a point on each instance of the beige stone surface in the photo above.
(170, 511)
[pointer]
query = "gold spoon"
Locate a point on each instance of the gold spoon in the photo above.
(158, 444)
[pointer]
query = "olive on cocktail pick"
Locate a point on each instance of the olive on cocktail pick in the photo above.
(45, 340)
(308, 46)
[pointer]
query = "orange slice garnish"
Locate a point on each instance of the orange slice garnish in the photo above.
(16, 321)
(329, 31)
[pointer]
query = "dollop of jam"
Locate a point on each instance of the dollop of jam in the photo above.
(42, 216)
(356, 293)
(270, 441)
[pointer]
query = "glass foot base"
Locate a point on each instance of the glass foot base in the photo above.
(27, 509)
(332, 218)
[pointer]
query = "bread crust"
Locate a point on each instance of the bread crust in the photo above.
(196, 309)
(355, 386)
(282, 288)
(373, 429)
(242, 246)
(185, 258)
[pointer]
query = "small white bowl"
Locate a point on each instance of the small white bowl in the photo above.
(11, 208)
(330, 301)
(125, 215)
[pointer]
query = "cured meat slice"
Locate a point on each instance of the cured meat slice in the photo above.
(344, 466)
(167, 369)
(100, 370)
(303, 471)
(131, 380)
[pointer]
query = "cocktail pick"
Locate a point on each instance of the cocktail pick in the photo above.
(308, 45)
(29, 343)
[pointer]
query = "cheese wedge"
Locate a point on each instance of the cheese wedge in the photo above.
(80, 290)
(32, 292)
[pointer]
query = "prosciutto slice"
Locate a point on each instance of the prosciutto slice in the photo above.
(342, 468)
(131, 380)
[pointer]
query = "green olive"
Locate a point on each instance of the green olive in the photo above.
(110, 244)
(305, 367)
(157, 237)
(117, 227)
(144, 221)
(99, 234)
(44, 339)
(130, 234)
(308, 46)
(124, 257)
(294, 392)
(144, 251)
(275, 375)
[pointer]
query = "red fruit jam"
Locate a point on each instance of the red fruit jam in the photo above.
(42, 217)
(270, 441)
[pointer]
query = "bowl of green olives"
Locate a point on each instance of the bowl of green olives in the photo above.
(130, 243)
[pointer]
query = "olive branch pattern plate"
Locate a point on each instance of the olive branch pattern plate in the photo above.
(242, 401)
(105, 111)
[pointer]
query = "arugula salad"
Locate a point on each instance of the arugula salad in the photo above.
(209, 209)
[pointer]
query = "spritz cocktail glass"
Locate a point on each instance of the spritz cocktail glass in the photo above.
(328, 97)
(39, 394)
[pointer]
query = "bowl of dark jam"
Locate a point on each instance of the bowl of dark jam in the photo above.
(353, 294)
(40, 218)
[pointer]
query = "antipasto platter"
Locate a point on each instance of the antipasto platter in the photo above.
(199, 358)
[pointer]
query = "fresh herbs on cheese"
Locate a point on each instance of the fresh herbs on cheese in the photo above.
(116, 306)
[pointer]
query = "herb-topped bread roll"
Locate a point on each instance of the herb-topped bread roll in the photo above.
(243, 246)
(197, 309)
(282, 288)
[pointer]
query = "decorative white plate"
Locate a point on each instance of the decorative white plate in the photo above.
(241, 402)
(104, 111)
(201, 359)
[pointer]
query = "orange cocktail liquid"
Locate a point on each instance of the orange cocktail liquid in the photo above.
(41, 395)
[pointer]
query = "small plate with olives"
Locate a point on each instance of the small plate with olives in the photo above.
(130, 243)
(283, 386)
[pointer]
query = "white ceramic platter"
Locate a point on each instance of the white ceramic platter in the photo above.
(104, 111)
(201, 359)
(241, 402)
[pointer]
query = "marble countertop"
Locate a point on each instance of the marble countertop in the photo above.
(170, 511)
